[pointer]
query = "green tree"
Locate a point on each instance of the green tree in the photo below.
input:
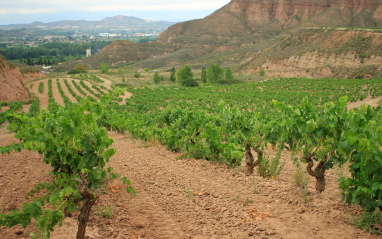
(157, 78)
(261, 71)
(40, 61)
(119, 71)
(173, 76)
(204, 75)
(228, 74)
(184, 74)
(147, 69)
(29, 62)
(215, 73)
(104, 68)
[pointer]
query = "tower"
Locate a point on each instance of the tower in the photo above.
(88, 52)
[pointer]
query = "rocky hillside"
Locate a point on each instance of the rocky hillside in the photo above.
(320, 52)
(265, 18)
(10, 83)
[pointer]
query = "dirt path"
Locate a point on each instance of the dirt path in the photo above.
(44, 98)
(66, 91)
(201, 199)
(107, 83)
(370, 101)
(188, 199)
(75, 89)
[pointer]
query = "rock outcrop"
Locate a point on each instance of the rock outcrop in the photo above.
(11, 88)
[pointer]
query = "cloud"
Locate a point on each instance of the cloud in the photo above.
(25, 11)
(29, 7)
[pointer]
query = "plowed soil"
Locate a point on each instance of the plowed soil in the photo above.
(186, 198)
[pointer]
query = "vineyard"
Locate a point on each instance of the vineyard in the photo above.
(274, 154)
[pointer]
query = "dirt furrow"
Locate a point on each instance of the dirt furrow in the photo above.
(66, 91)
(212, 200)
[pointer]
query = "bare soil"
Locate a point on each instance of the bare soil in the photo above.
(370, 101)
(185, 198)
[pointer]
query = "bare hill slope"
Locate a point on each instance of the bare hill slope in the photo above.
(268, 17)
(10, 83)
(341, 53)
(125, 51)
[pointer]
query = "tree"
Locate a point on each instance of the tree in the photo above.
(184, 74)
(173, 76)
(119, 71)
(104, 68)
(30, 62)
(40, 61)
(157, 78)
(204, 75)
(228, 74)
(215, 73)
(77, 151)
(261, 71)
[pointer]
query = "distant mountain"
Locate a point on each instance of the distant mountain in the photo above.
(110, 23)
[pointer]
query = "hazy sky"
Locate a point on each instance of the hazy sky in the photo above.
(27, 11)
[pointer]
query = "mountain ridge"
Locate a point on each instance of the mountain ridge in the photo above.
(115, 21)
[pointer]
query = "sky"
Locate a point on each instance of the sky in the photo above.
(28, 11)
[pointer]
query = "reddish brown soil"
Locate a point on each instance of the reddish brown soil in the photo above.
(186, 198)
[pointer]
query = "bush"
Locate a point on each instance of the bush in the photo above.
(157, 78)
(228, 74)
(136, 74)
(191, 82)
(104, 68)
(79, 69)
(261, 71)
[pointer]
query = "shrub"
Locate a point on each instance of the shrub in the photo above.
(191, 82)
(136, 74)
(157, 78)
(79, 69)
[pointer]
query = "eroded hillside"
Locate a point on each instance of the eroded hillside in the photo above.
(340, 53)
(10, 83)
